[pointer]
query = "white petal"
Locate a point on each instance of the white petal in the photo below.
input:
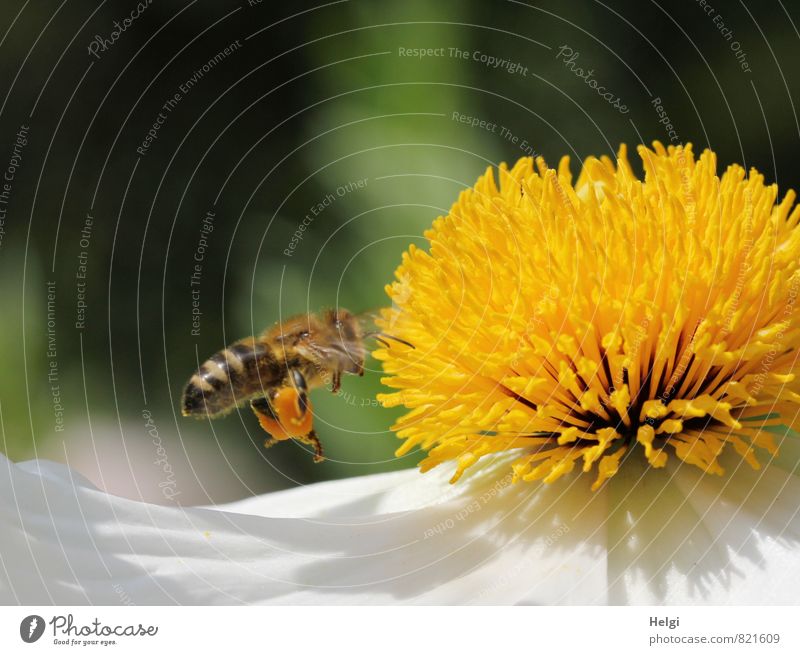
(361, 541)
(406, 538)
(678, 536)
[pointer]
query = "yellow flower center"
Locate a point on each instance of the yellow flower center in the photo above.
(578, 322)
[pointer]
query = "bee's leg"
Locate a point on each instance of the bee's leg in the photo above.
(312, 439)
(336, 382)
(262, 407)
(299, 382)
(266, 418)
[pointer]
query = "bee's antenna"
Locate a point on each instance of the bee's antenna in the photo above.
(380, 336)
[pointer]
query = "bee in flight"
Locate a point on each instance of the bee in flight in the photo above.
(275, 371)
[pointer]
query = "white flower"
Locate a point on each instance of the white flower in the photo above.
(648, 536)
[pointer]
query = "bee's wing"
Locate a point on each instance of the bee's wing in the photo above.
(335, 350)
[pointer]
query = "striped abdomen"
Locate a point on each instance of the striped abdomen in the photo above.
(242, 371)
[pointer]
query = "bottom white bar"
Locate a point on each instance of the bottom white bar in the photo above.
(400, 629)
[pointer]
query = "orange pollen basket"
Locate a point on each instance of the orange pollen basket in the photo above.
(291, 421)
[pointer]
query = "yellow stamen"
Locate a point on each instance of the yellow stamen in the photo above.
(575, 319)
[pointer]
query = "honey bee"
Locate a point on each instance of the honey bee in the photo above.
(275, 371)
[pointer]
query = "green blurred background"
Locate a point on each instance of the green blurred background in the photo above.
(309, 98)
